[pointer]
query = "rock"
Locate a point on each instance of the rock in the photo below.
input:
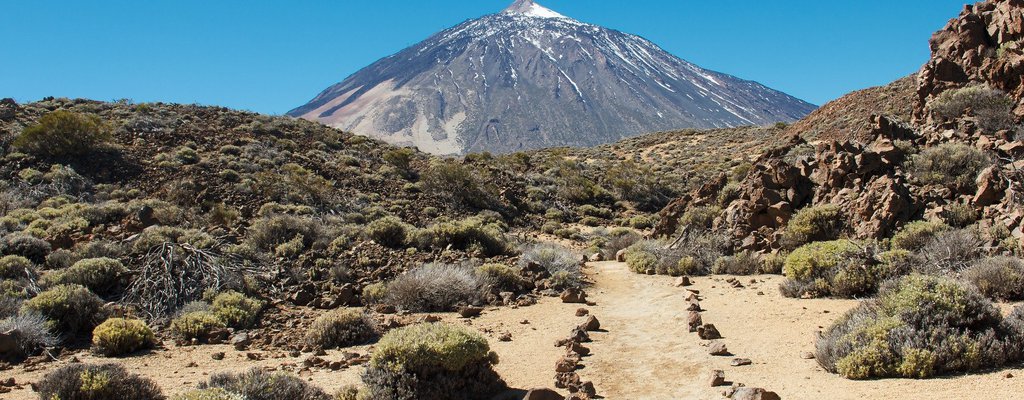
(748, 393)
(597, 257)
(582, 312)
(807, 355)
(991, 187)
(218, 355)
(588, 389)
(579, 335)
(384, 309)
(693, 321)
(592, 324)
(708, 332)
(302, 297)
(470, 311)
(241, 341)
(683, 281)
(565, 364)
(620, 255)
(578, 349)
(9, 342)
(717, 378)
(564, 380)
(505, 337)
(573, 295)
(8, 109)
(543, 394)
(717, 348)
(739, 362)
(693, 305)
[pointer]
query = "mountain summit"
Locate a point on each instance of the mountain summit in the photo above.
(529, 77)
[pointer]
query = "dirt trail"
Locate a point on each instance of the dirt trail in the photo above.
(644, 351)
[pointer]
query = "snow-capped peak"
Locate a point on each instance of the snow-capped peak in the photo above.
(532, 9)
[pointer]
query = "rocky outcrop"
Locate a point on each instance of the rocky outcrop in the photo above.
(982, 45)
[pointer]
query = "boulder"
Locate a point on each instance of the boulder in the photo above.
(683, 281)
(565, 364)
(991, 187)
(620, 255)
(592, 324)
(708, 332)
(543, 394)
(693, 321)
(749, 393)
(470, 311)
(573, 295)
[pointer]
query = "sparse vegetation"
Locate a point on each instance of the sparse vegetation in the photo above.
(63, 133)
(953, 165)
(257, 384)
(992, 108)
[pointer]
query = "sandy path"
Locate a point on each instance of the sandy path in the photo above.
(644, 353)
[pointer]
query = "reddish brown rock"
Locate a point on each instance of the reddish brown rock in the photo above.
(543, 394)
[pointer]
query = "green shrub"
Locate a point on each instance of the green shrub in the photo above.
(63, 133)
(919, 327)
(374, 293)
(268, 233)
(70, 308)
(959, 215)
(195, 325)
(118, 336)
(700, 218)
(432, 362)
(257, 384)
(953, 165)
(434, 287)
(809, 260)
(471, 234)
(774, 263)
(389, 231)
(999, 278)
(992, 108)
(339, 328)
(236, 310)
(814, 224)
(915, 235)
(460, 183)
(32, 248)
(501, 277)
(97, 274)
(15, 267)
(94, 382)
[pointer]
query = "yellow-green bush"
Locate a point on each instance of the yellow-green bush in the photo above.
(432, 362)
(389, 231)
(954, 165)
(195, 325)
(69, 308)
(14, 267)
(63, 133)
(915, 235)
(810, 259)
(471, 234)
(97, 274)
(117, 336)
(918, 327)
(374, 293)
(339, 328)
(430, 346)
(236, 310)
(208, 394)
(814, 224)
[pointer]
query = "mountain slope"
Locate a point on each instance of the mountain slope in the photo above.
(529, 77)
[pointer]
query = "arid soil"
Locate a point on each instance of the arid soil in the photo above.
(643, 350)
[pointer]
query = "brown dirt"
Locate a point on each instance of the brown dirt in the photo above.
(644, 353)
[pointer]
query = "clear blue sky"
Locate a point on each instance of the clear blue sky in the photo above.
(271, 56)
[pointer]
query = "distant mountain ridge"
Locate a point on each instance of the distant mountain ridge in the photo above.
(529, 77)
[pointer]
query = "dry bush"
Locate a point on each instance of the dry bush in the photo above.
(915, 235)
(950, 252)
(618, 242)
(94, 382)
(742, 263)
(992, 108)
(171, 275)
(30, 332)
(999, 278)
(257, 384)
(556, 260)
(435, 287)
